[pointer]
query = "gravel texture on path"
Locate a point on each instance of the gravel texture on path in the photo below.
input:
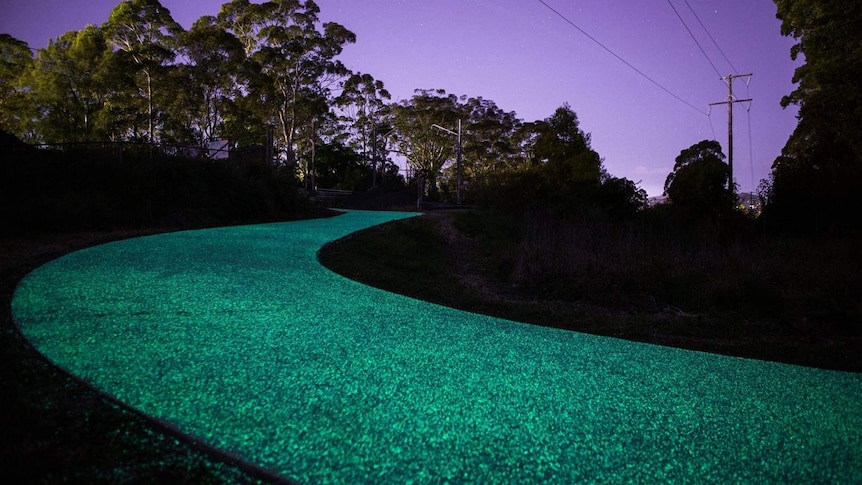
(239, 337)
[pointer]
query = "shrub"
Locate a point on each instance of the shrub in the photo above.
(91, 187)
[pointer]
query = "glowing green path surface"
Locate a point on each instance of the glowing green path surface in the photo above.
(239, 337)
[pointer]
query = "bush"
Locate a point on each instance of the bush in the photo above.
(89, 187)
(800, 285)
(540, 189)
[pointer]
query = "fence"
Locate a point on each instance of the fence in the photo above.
(215, 150)
(332, 197)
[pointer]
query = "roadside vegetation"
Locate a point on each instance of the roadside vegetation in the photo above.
(783, 298)
(136, 186)
(56, 428)
(551, 239)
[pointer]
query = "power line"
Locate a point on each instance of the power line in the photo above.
(714, 42)
(566, 19)
(730, 99)
(694, 38)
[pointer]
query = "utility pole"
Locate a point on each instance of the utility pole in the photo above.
(729, 79)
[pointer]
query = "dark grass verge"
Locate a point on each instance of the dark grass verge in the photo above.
(430, 258)
(53, 427)
(57, 429)
(408, 257)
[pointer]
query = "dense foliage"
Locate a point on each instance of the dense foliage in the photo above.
(547, 250)
(135, 186)
(814, 183)
(272, 68)
(559, 172)
(699, 179)
(269, 72)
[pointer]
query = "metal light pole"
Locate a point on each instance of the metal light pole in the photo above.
(457, 159)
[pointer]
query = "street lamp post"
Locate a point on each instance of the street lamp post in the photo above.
(457, 158)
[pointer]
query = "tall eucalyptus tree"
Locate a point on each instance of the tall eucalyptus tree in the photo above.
(364, 111)
(68, 87)
(564, 149)
(15, 60)
(211, 77)
(145, 35)
(426, 149)
(295, 57)
(489, 141)
(815, 181)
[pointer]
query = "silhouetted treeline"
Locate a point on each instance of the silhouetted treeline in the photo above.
(814, 184)
(136, 186)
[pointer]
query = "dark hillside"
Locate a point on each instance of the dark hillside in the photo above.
(136, 186)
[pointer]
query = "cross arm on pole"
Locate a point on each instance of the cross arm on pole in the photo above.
(734, 101)
(445, 129)
(729, 102)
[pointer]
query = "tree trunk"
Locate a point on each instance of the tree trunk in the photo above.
(420, 184)
(149, 104)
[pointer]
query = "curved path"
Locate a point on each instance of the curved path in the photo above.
(239, 337)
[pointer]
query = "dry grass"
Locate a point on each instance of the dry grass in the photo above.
(789, 281)
(782, 299)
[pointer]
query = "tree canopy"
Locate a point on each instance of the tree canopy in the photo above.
(425, 147)
(15, 61)
(295, 61)
(814, 181)
(145, 36)
(699, 179)
(273, 68)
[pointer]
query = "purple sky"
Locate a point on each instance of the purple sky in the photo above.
(525, 58)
